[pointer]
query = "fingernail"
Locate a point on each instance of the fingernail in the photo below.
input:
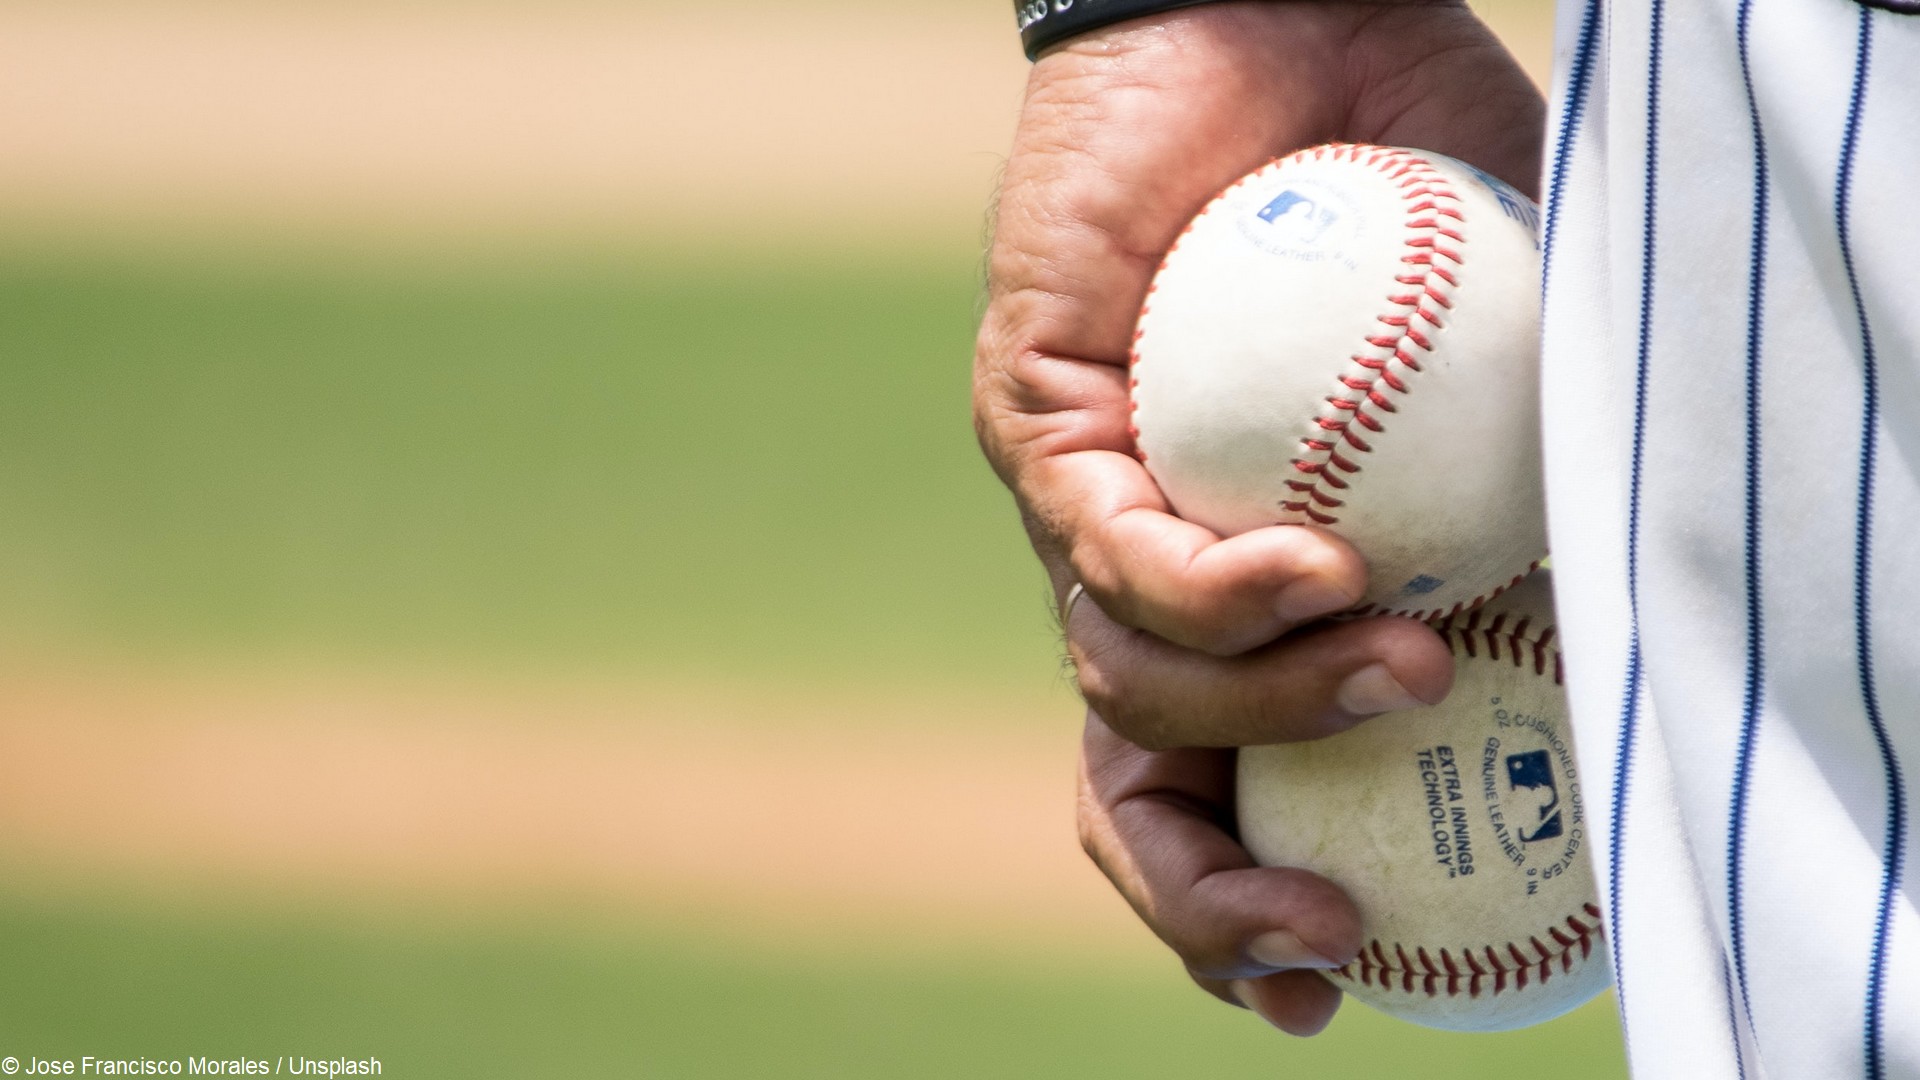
(1312, 597)
(1372, 690)
(1281, 949)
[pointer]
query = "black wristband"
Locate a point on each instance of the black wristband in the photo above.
(1044, 22)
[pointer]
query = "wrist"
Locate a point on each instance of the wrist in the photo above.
(1047, 23)
(1044, 23)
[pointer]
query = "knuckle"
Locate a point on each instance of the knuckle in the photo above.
(1099, 672)
(1091, 568)
(1086, 825)
(1132, 716)
(1021, 379)
(1098, 692)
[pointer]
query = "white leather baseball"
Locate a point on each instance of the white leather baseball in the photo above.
(1457, 829)
(1350, 337)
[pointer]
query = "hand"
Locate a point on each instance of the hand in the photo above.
(1125, 134)
(1187, 639)
(1159, 825)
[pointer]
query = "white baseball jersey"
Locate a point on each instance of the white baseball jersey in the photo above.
(1732, 405)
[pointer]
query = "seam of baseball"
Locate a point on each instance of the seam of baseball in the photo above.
(1518, 639)
(1153, 286)
(1474, 971)
(1429, 614)
(1406, 331)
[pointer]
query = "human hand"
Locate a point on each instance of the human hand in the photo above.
(1125, 134)
(1159, 824)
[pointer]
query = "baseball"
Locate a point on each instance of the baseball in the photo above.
(1349, 337)
(1457, 829)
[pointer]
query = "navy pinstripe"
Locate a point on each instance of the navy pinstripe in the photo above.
(1895, 841)
(1753, 693)
(1733, 1021)
(1630, 692)
(1579, 84)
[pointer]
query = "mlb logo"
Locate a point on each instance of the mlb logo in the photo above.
(1534, 772)
(1300, 216)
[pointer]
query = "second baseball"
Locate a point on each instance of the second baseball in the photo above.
(1459, 830)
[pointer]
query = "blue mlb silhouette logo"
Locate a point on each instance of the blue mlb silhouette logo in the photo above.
(1534, 772)
(1300, 215)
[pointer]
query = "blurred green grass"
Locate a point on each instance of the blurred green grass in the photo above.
(653, 465)
(507, 1001)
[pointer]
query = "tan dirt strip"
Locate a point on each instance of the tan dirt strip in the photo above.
(453, 118)
(656, 802)
(843, 122)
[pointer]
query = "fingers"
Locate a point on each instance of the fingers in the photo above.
(1158, 825)
(1224, 597)
(1091, 506)
(1436, 77)
(1308, 685)
(1297, 1002)
(1179, 581)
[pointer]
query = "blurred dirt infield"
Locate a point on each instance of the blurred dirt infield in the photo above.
(440, 120)
(794, 818)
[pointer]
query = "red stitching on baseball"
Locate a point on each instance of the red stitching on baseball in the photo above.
(1429, 199)
(1430, 614)
(1523, 644)
(1482, 971)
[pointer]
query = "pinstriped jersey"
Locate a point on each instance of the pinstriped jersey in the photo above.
(1732, 418)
